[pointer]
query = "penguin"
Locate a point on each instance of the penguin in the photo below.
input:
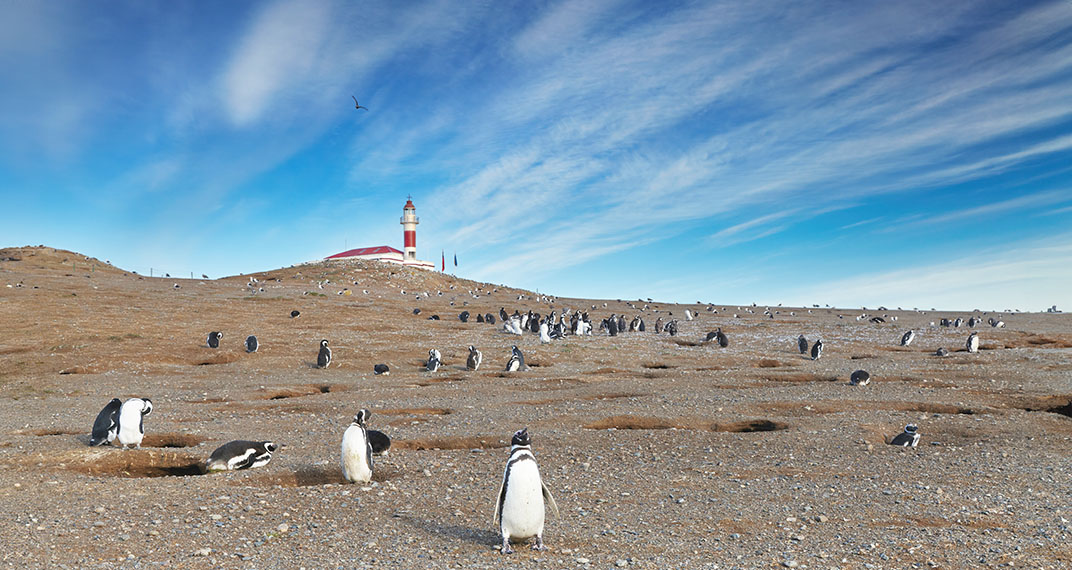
(519, 507)
(240, 454)
(860, 378)
(974, 321)
(973, 342)
(479, 318)
(907, 438)
(416, 311)
(817, 349)
(464, 316)
(379, 441)
(544, 337)
(802, 344)
(612, 325)
(323, 358)
(434, 360)
(658, 325)
(251, 343)
(710, 336)
(294, 314)
(381, 369)
(433, 318)
(721, 338)
(688, 315)
(502, 314)
(473, 362)
(941, 352)
(106, 426)
(131, 424)
(671, 327)
(908, 338)
(214, 339)
(357, 450)
(517, 360)
(489, 318)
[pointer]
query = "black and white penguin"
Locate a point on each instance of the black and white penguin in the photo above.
(802, 344)
(545, 338)
(251, 344)
(658, 325)
(479, 318)
(941, 352)
(908, 338)
(417, 311)
(612, 326)
(323, 358)
(214, 339)
(131, 428)
(357, 450)
(294, 314)
(817, 349)
(517, 360)
(379, 441)
(860, 378)
(519, 507)
(907, 438)
(464, 316)
(434, 360)
(721, 338)
(381, 369)
(973, 342)
(240, 454)
(671, 327)
(473, 362)
(502, 314)
(489, 318)
(433, 318)
(106, 426)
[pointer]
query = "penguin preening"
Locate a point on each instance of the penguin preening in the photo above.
(214, 339)
(860, 378)
(323, 358)
(357, 450)
(973, 342)
(519, 507)
(131, 423)
(240, 454)
(908, 438)
(106, 426)
(473, 362)
(517, 360)
(381, 369)
(817, 349)
(802, 344)
(251, 344)
(908, 338)
(434, 360)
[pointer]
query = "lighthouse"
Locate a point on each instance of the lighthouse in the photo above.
(409, 223)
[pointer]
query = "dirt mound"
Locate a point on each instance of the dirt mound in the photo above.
(648, 422)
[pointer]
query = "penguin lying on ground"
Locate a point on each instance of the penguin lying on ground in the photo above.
(907, 438)
(239, 454)
(214, 339)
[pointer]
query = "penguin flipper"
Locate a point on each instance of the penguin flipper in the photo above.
(547, 496)
(496, 516)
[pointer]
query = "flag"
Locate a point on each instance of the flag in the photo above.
(443, 267)
(455, 260)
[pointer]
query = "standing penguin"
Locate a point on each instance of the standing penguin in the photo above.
(106, 426)
(464, 316)
(802, 344)
(517, 360)
(357, 450)
(519, 508)
(434, 360)
(132, 421)
(817, 349)
(721, 338)
(214, 339)
(473, 362)
(907, 438)
(240, 454)
(908, 338)
(323, 358)
(251, 343)
(544, 337)
(973, 342)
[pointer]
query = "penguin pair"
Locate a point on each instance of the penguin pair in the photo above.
(519, 506)
(215, 337)
(122, 421)
(517, 360)
(359, 445)
(719, 337)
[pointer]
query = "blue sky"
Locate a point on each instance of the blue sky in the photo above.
(851, 153)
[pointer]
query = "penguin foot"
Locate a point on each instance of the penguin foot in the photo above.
(506, 546)
(538, 545)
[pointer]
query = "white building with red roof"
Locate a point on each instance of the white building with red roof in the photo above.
(388, 254)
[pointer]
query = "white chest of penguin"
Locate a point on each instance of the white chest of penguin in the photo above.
(356, 463)
(523, 508)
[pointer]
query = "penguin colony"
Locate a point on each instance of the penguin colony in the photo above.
(523, 497)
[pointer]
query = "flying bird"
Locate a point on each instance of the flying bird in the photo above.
(358, 105)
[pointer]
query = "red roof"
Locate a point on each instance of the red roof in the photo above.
(365, 251)
(409, 205)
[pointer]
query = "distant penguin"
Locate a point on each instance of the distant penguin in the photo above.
(658, 325)
(974, 321)
(612, 325)
(379, 441)
(802, 344)
(908, 338)
(357, 450)
(973, 342)
(860, 378)
(294, 314)
(434, 360)
(817, 349)
(489, 318)
(544, 337)
(671, 327)
(517, 360)
(240, 454)
(214, 339)
(251, 343)
(688, 315)
(381, 369)
(106, 426)
(710, 336)
(479, 318)
(433, 318)
(941, 352)
(464, 316)
(502, 314)
(417, 311)
(473, 362)
(519, 507)
(721, 338)
(131, 428)
(907, 438)
(323, 358)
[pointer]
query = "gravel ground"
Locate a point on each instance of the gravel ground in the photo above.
(661, 451)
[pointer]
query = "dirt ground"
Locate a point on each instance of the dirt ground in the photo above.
(661, 451)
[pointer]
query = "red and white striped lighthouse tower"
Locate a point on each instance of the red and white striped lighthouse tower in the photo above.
(409, 223)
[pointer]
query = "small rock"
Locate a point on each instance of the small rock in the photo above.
(283, 527)
(124, 537)
(791, 564)
(821, 518)
(621, 563)
(583, 560)
(202, 552)
(99, 510)
(215, 517)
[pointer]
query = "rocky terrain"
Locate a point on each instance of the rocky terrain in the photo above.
(661, 451)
